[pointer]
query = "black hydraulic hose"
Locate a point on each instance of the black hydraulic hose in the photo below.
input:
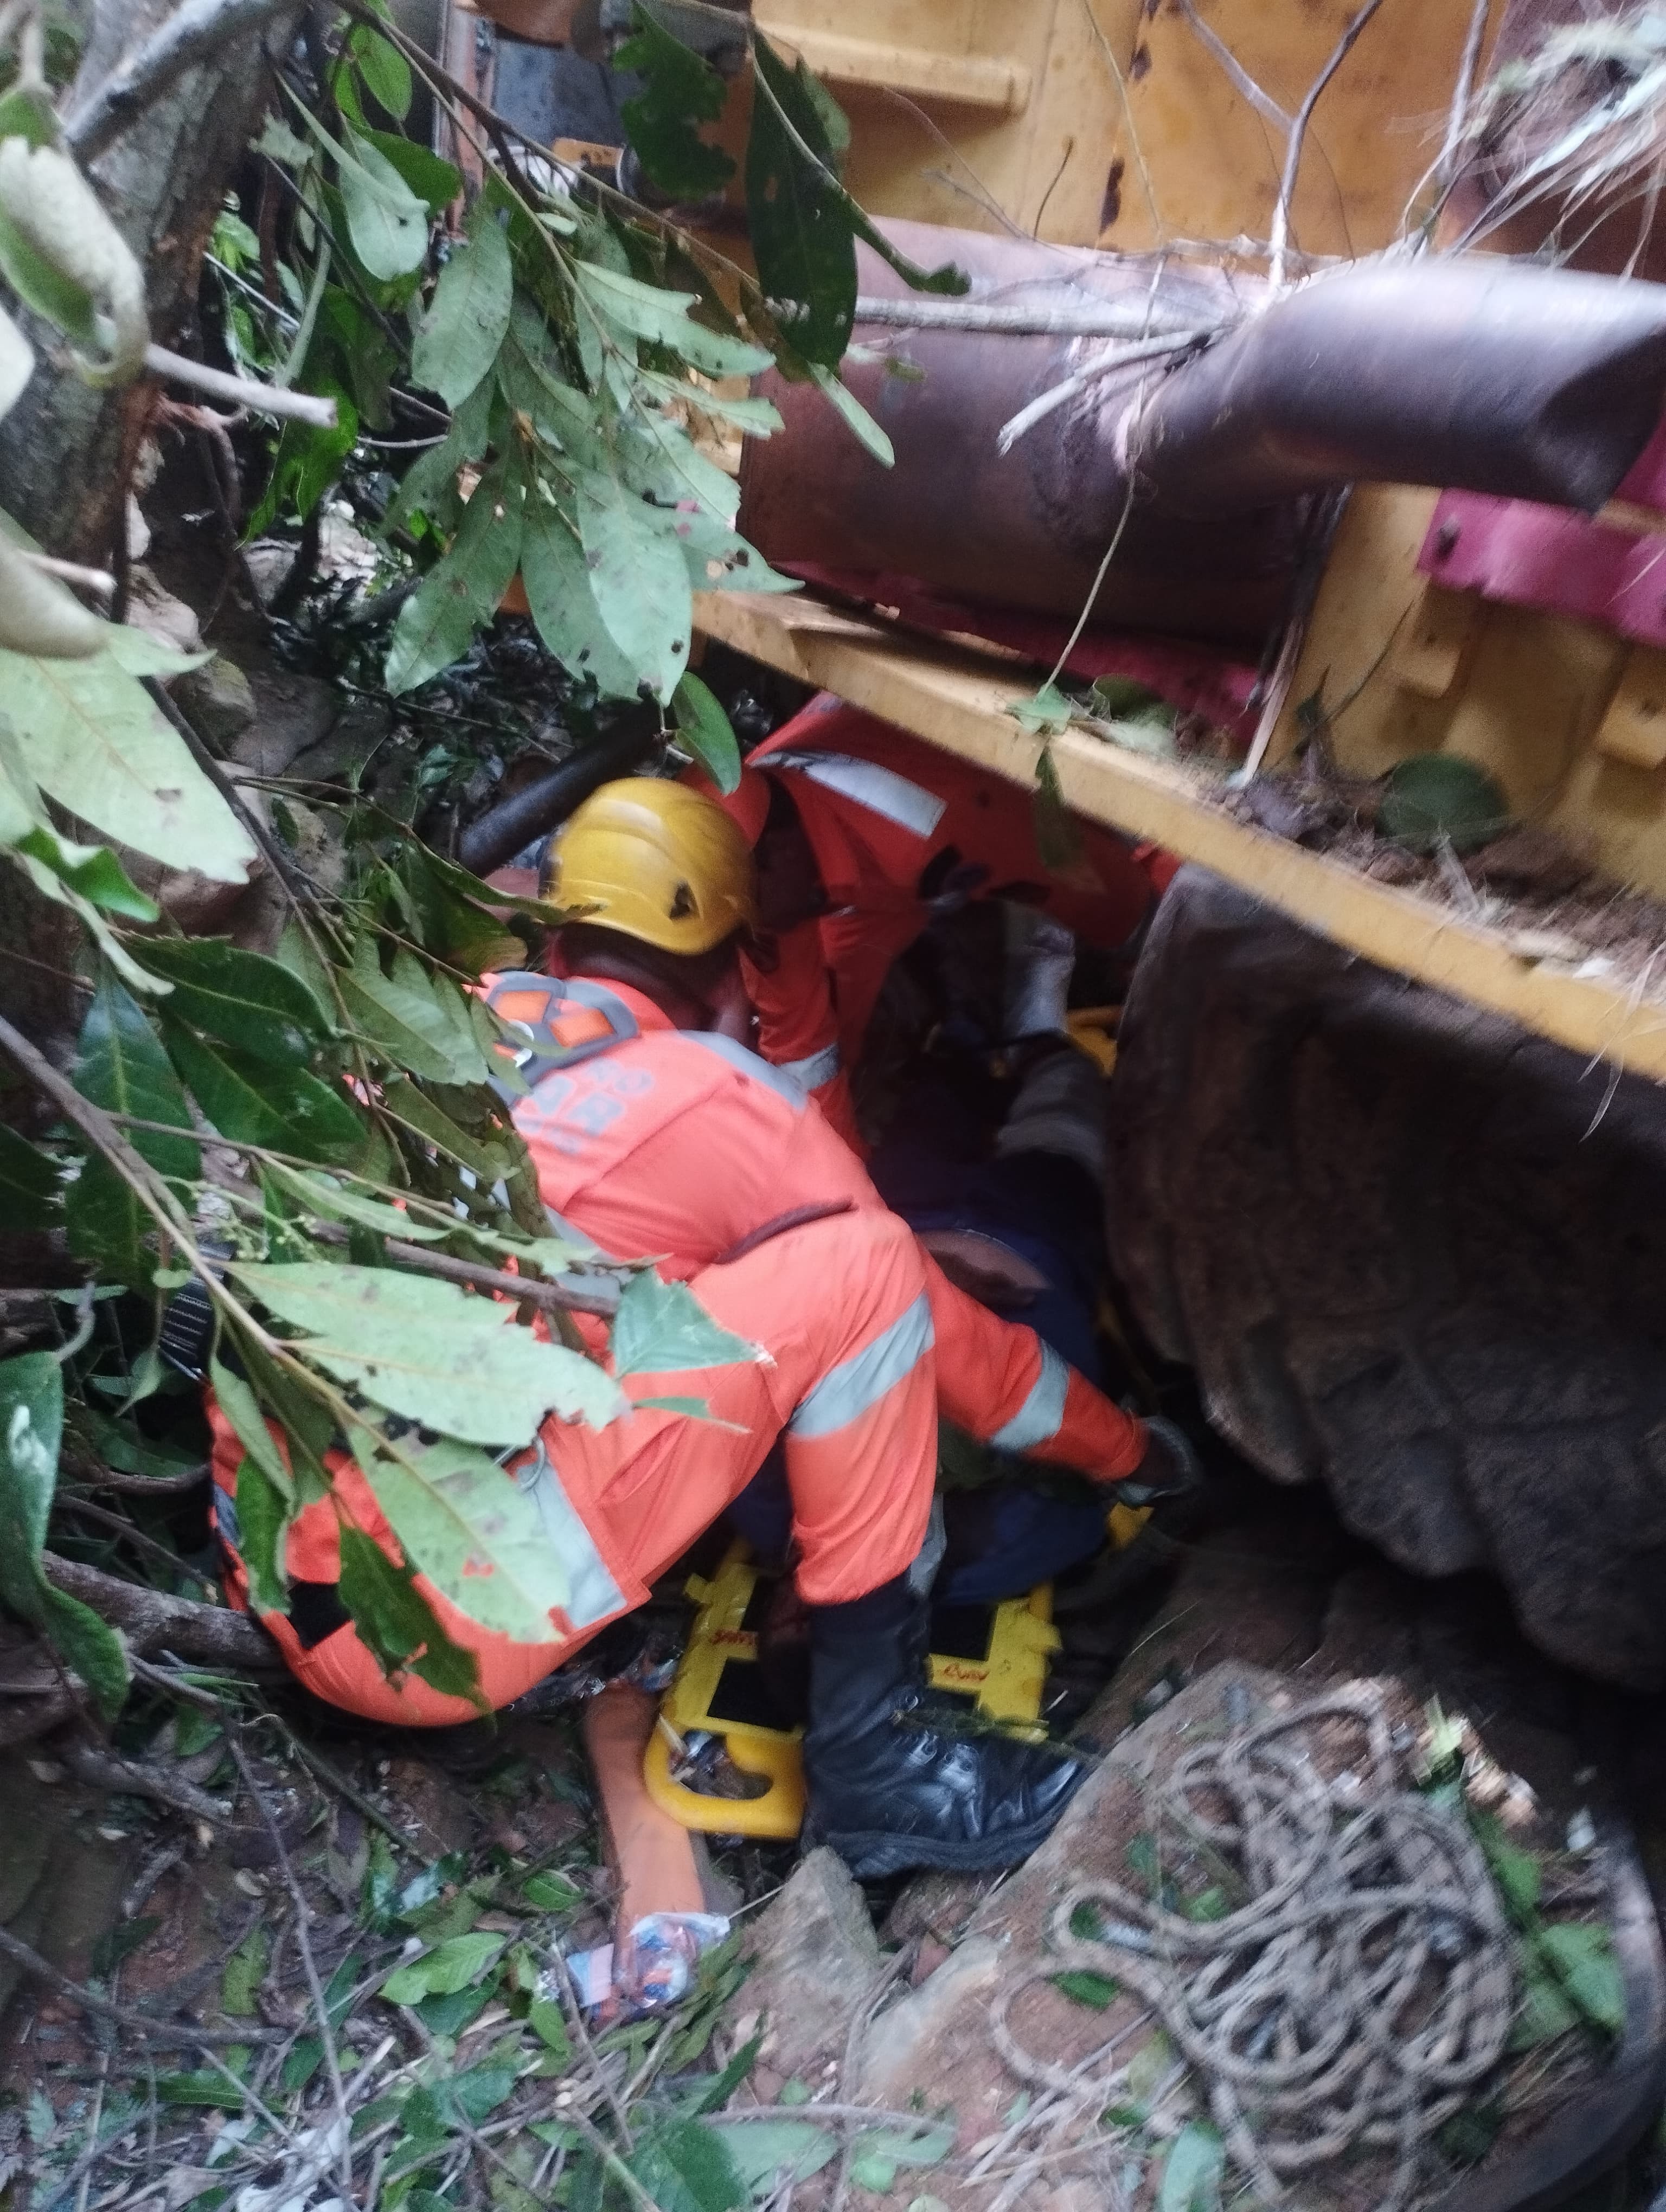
(498, 835)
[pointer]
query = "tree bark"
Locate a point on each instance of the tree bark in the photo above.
(66, 451)
(154, 1622)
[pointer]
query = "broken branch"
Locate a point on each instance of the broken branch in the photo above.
(213, 1635)
(240, 391)
(1279, 237)
(183, 2032)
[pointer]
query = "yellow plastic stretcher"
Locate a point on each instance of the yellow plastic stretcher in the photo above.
(711, 1693)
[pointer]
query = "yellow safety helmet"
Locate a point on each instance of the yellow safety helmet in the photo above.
(655, 861)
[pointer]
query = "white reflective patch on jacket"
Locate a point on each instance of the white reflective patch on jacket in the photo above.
(881, 790)
(856, 1384)
(814, 1069)
(593, 1595)
(1036, 1420)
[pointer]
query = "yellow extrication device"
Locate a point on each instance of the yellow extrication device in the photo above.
(996, 1663)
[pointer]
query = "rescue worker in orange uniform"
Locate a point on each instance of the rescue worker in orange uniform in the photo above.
(861, 832)
(653, 1130)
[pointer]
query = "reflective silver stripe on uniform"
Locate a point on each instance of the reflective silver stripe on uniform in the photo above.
(593, 1593)
(1037, 1419)
(881, 790)
(814, 1069)
(861, 1381)
(779, 1080)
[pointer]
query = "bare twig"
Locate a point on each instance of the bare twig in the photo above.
(1263, 103)
(132, 1778)
(190, 34)
(76, 1466)
(1279, 236)
(309, 1965)
(1106, 364)
(550, 1297)
(276, 858)
(184, 2033)
(1463, 90)
(105, 1519)
(241, 391)
(575, 2011)
(1079, 316)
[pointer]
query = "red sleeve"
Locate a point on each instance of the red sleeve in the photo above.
(798, 1022)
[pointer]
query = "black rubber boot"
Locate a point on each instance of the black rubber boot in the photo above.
(886, 1789)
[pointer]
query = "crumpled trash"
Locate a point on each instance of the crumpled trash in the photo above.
(654, 1966)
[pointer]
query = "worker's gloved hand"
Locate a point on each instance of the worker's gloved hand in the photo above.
(1170, 1469)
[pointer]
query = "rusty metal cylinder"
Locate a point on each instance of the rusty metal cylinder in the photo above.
(1476, 373)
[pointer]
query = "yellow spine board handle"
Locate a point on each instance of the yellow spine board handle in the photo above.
(1008, 1684)
(717, 1639)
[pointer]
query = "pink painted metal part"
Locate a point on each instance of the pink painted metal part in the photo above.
(1558, 562)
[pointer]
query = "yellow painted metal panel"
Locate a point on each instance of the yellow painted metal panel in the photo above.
(961, 701)
(1215, 162)
(1634, 728)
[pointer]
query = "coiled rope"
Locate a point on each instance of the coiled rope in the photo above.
(1358, 1995)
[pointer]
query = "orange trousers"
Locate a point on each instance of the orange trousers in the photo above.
(850, 1383)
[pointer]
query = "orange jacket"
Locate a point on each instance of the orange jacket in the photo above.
(894, 823)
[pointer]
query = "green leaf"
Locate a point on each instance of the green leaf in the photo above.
(464, 589)
(478, 2093)
(441, 1972)
(397, 1624)
(254, 1102)
(1082, 1987)
(386, 71)
(479, 1537)
(238, 1402)
(240, 997)
(1435, 796)
(426, 1350)
(1581, 1955)
(722, 2086)
(547, 2023)
(122, 1067)
(1192, 2171)
(264, 1515)
(1058, 840)
(876, 2153)
(762, 2151)
(434, 182)
(662, 1329)
(320, 1193)
(1543, 2012)
(563, 607)
(457, 339)
(93, 871)
(648, 311)
(680, 89)
(245, 1971)
(640, 580)
(853, 415)
(418, 1020)
(551, 1892)
(1045, 714)
(719, 560)
(31, 1431)
(403, 1102)
(706, 731)
(31, 1185)
(686, 2166)
(200, 2088)
(309, 459)
(386, 221)
(90, 735)
(120, 1445)
(797, 216)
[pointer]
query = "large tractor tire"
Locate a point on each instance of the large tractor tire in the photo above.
(1413, 1252)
